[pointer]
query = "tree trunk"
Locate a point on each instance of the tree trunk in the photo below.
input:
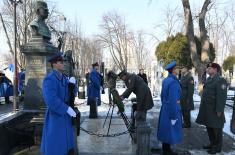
(198, 63)
(203, 33)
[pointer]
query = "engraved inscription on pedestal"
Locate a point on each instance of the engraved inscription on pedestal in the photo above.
(36, 71)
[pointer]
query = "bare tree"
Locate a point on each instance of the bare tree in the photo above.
(217, 30)
(142, 54)
(85, 50)
(172, 21)
(198, 62)
(116, 38)
(25, 14)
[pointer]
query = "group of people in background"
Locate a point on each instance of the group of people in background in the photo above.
(6, 86)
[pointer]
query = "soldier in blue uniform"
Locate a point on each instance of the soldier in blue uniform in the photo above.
(94, 90)
(170, 119)
(211, 112)
(57, 137)
(21, 81)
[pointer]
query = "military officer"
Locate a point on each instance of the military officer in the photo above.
(57, 136)
(169, 130)
(143, 94)
(211, 112)
(94, 98)
(186, 100)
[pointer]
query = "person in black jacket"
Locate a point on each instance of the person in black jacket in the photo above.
(186, 100)
(143, 75)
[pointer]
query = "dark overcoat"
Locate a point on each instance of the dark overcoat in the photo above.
(144, 77)
(143, 94)
(213, 100)
(57, 136)
(187, 85)
(170, 110)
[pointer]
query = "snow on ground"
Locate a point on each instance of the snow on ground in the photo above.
(6, 115)
(103, 109)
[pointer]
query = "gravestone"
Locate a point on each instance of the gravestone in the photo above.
(36, 52)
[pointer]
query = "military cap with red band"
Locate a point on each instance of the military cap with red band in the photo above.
(213, 65)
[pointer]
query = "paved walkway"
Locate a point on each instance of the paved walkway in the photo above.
(194, 138)
(90, 144)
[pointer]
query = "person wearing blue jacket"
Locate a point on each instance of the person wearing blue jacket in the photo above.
(94, 98)
(170, 119)
(57, 136)
(6, 88)
(21, 81)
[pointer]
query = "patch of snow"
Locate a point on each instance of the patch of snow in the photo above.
(6, 115)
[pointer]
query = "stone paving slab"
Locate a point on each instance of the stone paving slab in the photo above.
(105, 145)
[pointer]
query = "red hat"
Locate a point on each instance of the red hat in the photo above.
(213, 65)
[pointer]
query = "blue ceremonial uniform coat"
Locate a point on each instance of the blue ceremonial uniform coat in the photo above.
(6, 88)
(94, 86)
(57, 137)
(170, 110)
(21, 81)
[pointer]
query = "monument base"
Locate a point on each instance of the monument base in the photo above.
(36, 54)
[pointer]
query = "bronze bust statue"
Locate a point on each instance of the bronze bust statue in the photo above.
(38, 25)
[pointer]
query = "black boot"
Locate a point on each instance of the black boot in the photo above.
(7, 100)
(166, 149)
(206, 147)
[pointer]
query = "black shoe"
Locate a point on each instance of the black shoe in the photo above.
(169, 153)
(213, 151)
(206, 147)
(186, 126)
(8, 102)
(156, 150)
(93, 117)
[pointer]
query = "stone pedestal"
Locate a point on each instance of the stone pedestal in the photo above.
(143, 139)
(36, 53)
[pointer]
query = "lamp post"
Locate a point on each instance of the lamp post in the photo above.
(15, 77)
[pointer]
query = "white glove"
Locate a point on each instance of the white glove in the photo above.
(173, 121)
(72, 80)
(71, 112)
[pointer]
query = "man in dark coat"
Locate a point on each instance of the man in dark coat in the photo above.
(211, 112)
(186, 100)
(143, 94)
(143, 75)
